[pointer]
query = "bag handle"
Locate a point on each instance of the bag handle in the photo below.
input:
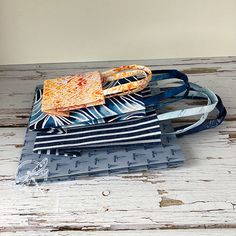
(201, 110)
(124, 72)
(159, 75)
(189, 92)
(207, 124)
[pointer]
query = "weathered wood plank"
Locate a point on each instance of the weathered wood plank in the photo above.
(18, 82)
(92, 232)
(107, 64)
(201, 194)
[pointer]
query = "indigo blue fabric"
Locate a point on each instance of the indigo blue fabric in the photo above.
(131, 132)
(85, 116)
(133, 103)
(56, 166)
(157, 101)
(135, 131)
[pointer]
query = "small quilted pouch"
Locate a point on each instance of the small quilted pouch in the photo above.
(84, 90)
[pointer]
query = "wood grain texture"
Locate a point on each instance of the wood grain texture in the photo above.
(196, 199)
(186, 232)
(18, 82)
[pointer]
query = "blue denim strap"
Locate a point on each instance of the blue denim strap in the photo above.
(196, 91)
(207, 124)
(159, 75)
(202, 123)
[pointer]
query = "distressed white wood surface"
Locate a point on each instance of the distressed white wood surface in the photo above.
(186, 232)
(196, 199)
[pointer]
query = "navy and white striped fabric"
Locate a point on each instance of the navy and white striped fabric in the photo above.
(135, 131)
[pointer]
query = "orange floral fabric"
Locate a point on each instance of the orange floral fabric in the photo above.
(63, 94)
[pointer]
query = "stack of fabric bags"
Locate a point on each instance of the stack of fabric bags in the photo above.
(117, 121)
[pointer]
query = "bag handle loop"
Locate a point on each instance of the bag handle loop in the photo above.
(124, 72)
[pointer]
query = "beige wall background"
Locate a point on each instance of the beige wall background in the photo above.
(35, 31)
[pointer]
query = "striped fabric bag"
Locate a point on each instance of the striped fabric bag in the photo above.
(129, 132)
